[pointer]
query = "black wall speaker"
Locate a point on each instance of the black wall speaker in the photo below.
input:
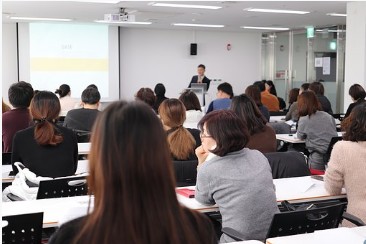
(193, 48)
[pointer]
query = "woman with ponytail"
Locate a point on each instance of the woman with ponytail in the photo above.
(182, 142)
(46, 149)
(66, 101)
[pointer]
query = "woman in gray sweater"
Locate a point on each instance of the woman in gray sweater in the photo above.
(237, 179)
(316, 127)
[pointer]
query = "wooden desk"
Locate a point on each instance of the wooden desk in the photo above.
(292, 138)
(340, 235)
(294, 190)
(83, 167)
(60, 209)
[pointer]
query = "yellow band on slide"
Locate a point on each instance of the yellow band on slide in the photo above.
(68, 64)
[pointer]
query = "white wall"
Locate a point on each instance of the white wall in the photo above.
(152, 56)
(355, 66)
(9, 58)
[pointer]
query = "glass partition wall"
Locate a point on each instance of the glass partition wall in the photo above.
(291, 58)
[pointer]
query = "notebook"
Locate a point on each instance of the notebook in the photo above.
(186, 192)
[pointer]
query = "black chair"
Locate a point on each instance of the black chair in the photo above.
(339, 116)
(306, 221)
(332, 142)
(60, 121)
(299, 222)
(281, 128)
(25, 228)
(6, 159)
(279, 113)
(82, 136)
(64, 187)
(185, 172)
(287, 164)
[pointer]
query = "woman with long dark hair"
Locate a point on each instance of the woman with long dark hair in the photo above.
(46, 149)
(292, 112)
(254, 92)
(193, 109)
(262, 136)
(131, 177)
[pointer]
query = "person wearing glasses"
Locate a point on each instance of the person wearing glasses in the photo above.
(237, 179)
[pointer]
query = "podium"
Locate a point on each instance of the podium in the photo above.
(205, 97)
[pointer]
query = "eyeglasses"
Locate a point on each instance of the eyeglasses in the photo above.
(204, 136)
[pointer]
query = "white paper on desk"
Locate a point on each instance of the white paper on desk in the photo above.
(75, 209)
(338, 236)
(288, 188)
(305, 184)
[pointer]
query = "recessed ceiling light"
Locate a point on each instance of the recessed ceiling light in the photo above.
(198, 25)
(337, 15)
(277, 11)
(38, 19)
(83, 1)
(123, 22)
(175, 5)
(265, 28)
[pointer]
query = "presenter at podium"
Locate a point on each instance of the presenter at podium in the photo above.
(200, 78)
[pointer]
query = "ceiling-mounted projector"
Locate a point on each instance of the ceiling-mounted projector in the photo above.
(122, 16)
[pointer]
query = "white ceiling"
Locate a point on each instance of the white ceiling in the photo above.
(231, 15)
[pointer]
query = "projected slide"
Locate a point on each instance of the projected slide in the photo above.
(74, 54)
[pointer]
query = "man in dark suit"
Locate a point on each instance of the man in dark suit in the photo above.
(200, 78)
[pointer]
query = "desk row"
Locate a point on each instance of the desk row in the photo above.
(58, 210)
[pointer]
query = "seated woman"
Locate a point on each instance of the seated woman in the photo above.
(67, 102)
(262, 137)
(159, 91)
(316, 127)
(147, 96)
(318, 88)
(193, 109)
(347, 165)
(46, 149)
(254, 92)
(237, 179)
(270, 86)
(293, 113)
(132, 179)
(182, 142)
(358, 95)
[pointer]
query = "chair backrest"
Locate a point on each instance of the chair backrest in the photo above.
(25, 228)
(281, 128)
(6, 159)
(64, 187)
(306, 221)
(338, 116)
(287, 164)
(82, 136)
(185, 172)
(332, 142)
(279, 113)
